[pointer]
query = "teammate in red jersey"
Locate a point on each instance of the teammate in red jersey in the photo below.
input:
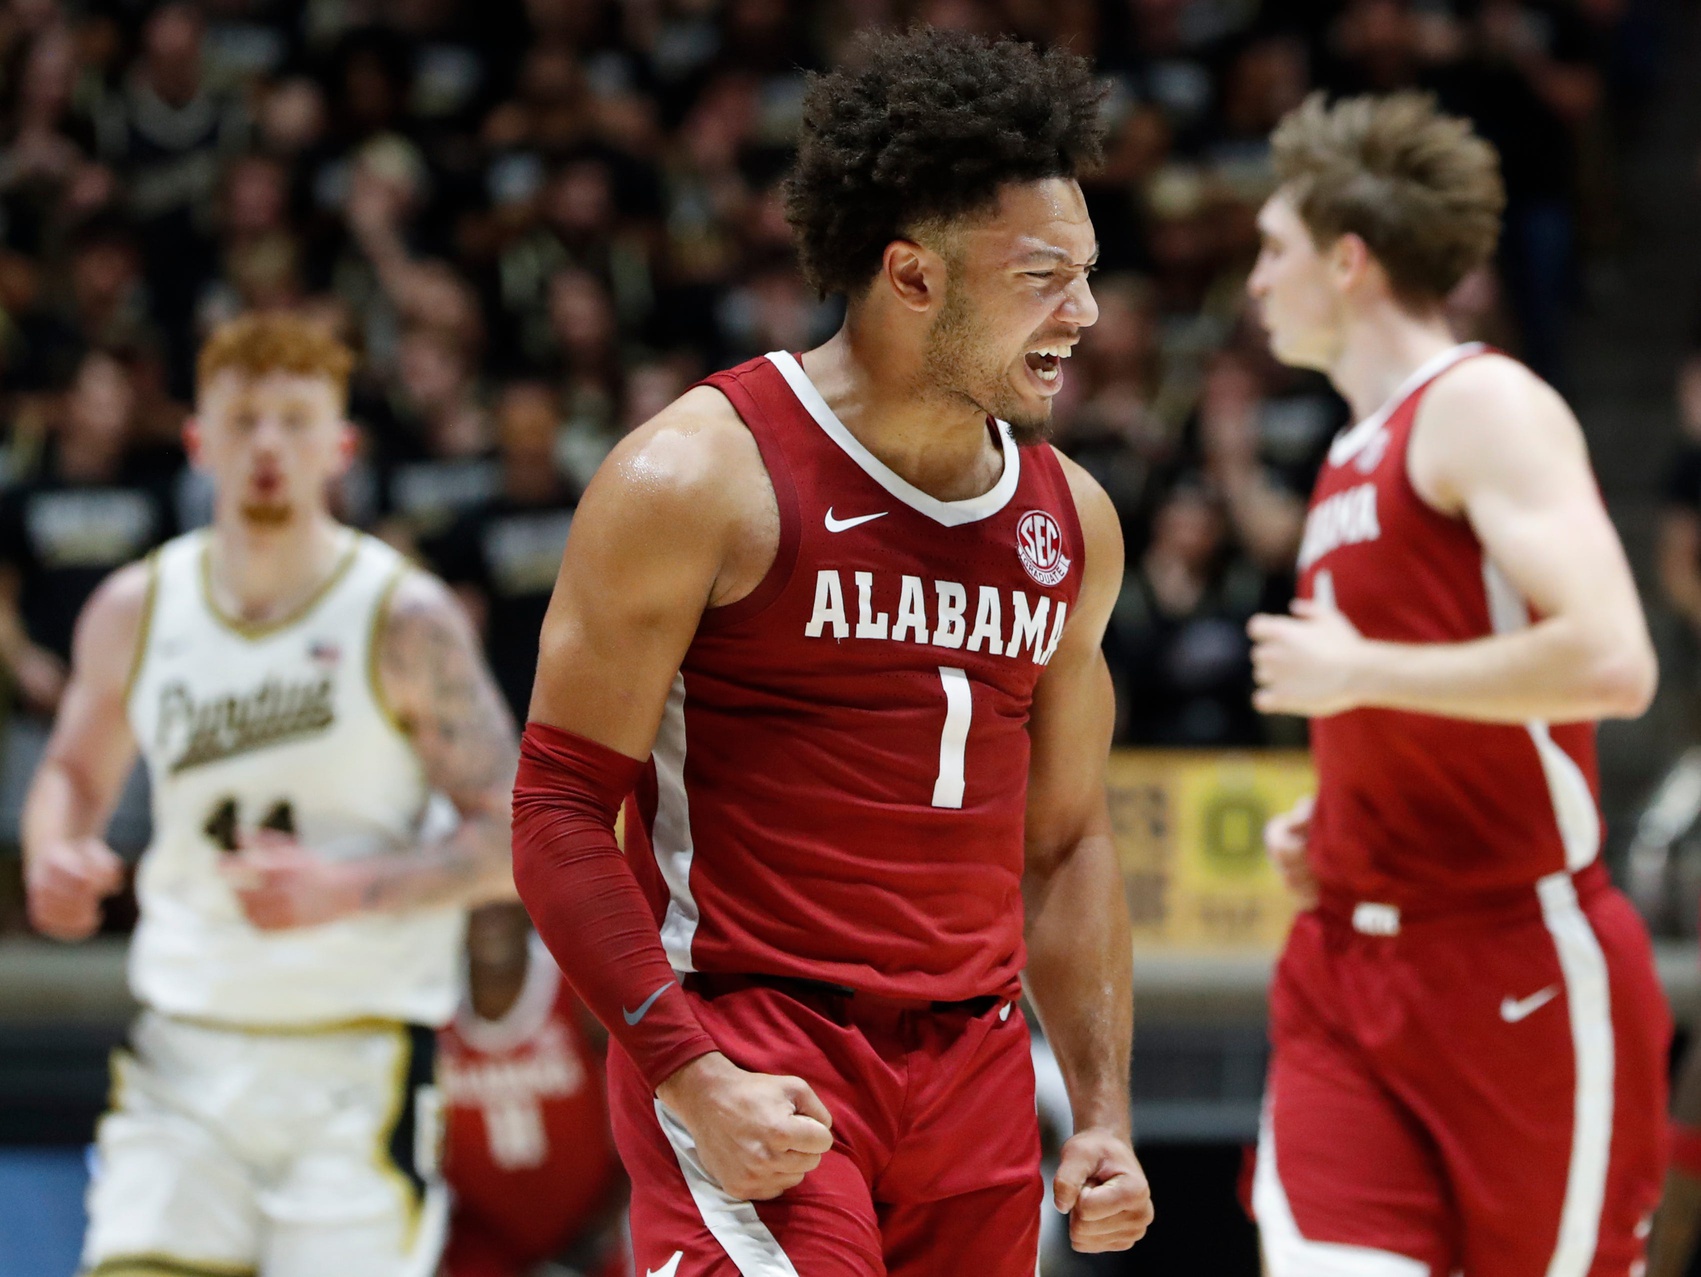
(848, 607)
(527, 1151)
(1469, 1038)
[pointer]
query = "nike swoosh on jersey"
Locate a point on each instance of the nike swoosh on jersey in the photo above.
(1514, 1009)
(632, 1017)
(668, 1269)
(841, 525)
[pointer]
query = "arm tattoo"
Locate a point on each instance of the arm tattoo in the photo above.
(448, 704)
(453, 712)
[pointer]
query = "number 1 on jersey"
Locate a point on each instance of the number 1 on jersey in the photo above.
(959, 709)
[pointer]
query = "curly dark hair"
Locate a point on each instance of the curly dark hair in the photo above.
(927, 125)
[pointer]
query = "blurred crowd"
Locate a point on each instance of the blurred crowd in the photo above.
(540, 220)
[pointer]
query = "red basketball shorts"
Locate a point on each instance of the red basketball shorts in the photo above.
(935, 1164)
(1480, 1091)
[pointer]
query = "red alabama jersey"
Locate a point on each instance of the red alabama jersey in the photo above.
(837, 791)
(528, 1150)
(1419, 809)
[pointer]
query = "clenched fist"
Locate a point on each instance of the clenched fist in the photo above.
(66, 882)
(757, 1134)
(1100, 1184)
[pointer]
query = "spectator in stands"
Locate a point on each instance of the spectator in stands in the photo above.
(1265, 516)
(96, 299)
(1109, 422)
(259, 254)
(50, 144)
(433, 439)
(166, 133)
(1177, 643)
(502, 555)
(63, 530)
(1530, 84)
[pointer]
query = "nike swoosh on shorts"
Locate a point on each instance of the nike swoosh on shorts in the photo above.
(841, 525)
(668, 1269)
(1514, 1009)
(632, 1017)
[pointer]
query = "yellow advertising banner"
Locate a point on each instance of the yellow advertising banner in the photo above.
(1190, 832)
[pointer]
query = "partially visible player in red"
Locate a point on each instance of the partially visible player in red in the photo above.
(837, 617)
(1469, 1037)
(527, 1149)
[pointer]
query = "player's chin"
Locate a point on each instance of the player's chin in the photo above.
(1029, 418)
(1291, 352)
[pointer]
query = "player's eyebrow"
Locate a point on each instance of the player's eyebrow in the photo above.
(1051, 253)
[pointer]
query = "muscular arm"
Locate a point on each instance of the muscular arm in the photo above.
(432, 678)
(681, 517)
(67, 867)
(1079, 975)
(1499, 448)
(435, 681)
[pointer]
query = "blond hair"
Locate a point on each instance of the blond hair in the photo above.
(275, 341)
(1419, 188)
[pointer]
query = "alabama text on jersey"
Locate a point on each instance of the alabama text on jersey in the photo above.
(1414, 806)
(839, 783)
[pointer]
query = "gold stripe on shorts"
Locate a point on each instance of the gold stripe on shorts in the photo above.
(155, 1264)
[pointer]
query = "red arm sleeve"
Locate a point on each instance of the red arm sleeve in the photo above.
(586, 904)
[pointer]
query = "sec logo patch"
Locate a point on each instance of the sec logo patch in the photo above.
(1039, 544)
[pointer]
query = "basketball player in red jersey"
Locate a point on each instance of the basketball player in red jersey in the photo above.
(848, 607)
(526, 1152)
(1469, 1038)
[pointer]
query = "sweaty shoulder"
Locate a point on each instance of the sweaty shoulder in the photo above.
(113, 625)
(1486, 420)
(690, 449)
(691, 479)
(1101, 529)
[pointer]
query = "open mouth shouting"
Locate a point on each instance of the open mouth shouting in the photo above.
(1045, 364)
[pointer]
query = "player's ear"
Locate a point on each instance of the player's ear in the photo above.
(192, 440)
(914, 274)
(1350, 260)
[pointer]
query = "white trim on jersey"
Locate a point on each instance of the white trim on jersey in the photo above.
(1589, 1002)
(952, 514)
(525, 1017)
(733, 1222)
(1356, 437)
(1288, 1252)
(671, 837)
(1573, 802)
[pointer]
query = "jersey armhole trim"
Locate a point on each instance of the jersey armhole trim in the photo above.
(144, 631)
(374, 637)
(1415, 399)
(779, 573)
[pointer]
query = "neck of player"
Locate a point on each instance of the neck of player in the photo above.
(258, 575)
(875, 386)
(1381, 349)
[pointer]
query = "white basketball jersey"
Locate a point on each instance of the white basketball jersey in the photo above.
(283, 726)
